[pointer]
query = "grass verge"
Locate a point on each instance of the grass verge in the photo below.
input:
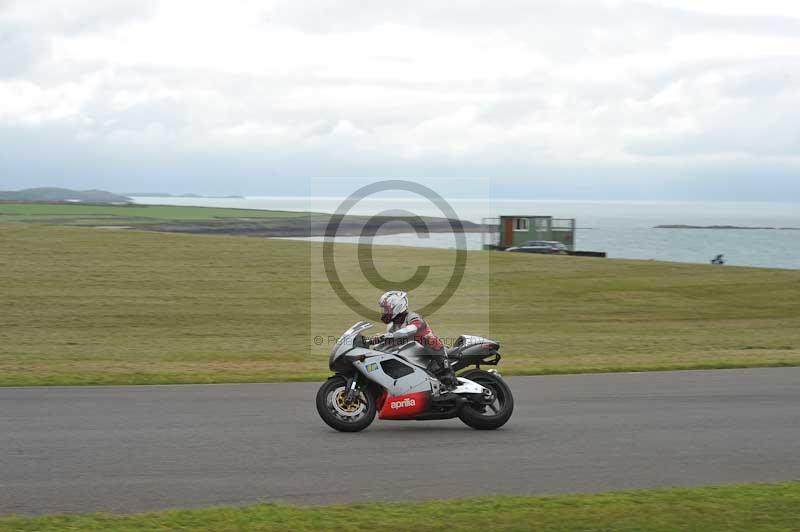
(748, 507)
(87, 306)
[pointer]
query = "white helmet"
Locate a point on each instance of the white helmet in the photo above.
(392, 305)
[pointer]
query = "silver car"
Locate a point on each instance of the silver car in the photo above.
(540, 246)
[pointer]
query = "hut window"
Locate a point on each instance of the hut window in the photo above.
(520, 224)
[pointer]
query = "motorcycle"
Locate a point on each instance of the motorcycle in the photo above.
(398, 382)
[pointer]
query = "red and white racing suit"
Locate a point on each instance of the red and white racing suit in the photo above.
(414, 326)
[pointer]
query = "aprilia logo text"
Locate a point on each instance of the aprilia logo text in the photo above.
(403, 404)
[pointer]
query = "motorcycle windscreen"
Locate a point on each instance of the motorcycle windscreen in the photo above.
(405, 406)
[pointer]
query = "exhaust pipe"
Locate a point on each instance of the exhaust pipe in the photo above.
(447, 414)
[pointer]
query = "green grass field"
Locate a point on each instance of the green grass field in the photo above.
(145, 216)
(88, 306)
(748, 507)
(185, 219)
(91, 214)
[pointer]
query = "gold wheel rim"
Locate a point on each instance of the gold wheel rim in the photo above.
(352, 407)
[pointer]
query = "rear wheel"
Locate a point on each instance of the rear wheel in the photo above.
(338, 414)
(495, 413)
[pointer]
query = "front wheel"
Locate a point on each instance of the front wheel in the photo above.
(339, 415)
(495, 414)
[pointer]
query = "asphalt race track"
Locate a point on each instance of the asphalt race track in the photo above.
(135, 448)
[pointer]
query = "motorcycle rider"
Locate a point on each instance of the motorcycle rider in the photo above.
(402, 324)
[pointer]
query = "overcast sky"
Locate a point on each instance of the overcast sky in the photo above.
(696, 99)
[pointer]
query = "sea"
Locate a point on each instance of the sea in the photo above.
(622, 229)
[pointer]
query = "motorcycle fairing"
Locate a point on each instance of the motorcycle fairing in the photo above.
(411, 378)
(406, 406)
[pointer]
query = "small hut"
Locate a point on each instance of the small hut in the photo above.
(513, 230)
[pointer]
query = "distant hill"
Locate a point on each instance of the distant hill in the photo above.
(186, 195)
(681, 226)
(51, 194)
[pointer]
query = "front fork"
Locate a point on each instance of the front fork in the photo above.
(351, 388)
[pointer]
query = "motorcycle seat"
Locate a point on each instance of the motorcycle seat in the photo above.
(455, 353)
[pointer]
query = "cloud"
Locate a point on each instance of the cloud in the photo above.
(589, 96)
(28, 28)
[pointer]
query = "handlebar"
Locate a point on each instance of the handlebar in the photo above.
(376, 340)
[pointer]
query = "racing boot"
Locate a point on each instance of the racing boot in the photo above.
(446, 375)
